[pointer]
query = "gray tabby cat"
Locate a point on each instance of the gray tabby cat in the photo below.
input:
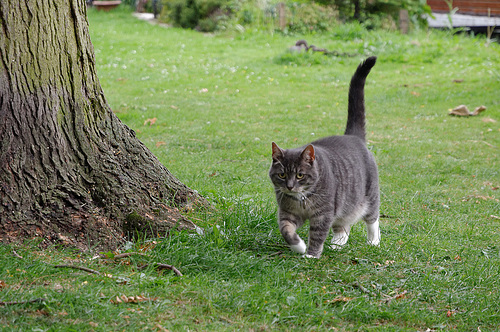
(332, 182)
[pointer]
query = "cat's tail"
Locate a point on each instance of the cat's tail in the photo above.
(356, 109)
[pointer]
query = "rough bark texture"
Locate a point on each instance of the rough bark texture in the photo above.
(70, 171)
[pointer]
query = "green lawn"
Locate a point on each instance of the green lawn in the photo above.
(208, 107)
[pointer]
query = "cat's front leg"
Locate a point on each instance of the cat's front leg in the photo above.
(318, 231)
(288, 228)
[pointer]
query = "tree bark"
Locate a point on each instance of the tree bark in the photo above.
(70, 170)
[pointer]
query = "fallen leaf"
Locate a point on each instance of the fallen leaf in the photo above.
(478, 110)
(150, 121)
(2, 284)
(161, 328)
(460, 110)
(489, 120)
(160, 143)
(415, 93)
(132, 299)
(339, 299)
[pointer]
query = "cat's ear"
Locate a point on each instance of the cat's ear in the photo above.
(277, 152)
(308, 154)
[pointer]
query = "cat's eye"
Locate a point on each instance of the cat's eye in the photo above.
(281, 175)
(300, 176)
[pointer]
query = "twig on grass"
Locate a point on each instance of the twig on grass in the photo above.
(77, 268)
(389, 299)
(15, 254)
(164, 267)
(23, 302)
(361, 288)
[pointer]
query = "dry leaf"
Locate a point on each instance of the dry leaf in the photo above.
(132, 299)
(415, 93)
(150, 121)
(478, 110)
(161, 328)
(460, 110)
(160, 143)
(339, 299)
(2, 284)
(489, 120)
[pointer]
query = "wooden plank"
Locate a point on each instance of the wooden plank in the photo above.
(476, 7)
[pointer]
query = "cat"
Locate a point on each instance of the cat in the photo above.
(332, 182)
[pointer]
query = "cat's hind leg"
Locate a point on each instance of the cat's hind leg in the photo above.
(340, 236)
(373, 233)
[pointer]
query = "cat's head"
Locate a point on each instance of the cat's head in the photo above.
(293, 172)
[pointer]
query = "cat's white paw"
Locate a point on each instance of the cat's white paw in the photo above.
(339, 240)
(309, 256)
(373, 233)
(299, 247)
(336, 247)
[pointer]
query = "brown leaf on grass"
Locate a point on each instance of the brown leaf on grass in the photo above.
(148, 246)
(398, 296)
(489, 120)
(462, 110)
(161, 328)
(160, 143)
(2, 284)
(150, 121)
(132, 299)
(339, 299)
(478, 110)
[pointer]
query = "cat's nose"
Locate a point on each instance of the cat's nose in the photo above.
(289, 187)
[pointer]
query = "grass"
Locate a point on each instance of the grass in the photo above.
(218, 102)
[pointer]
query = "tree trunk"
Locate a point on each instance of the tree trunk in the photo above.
(70, 170)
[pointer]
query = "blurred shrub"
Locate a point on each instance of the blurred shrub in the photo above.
(302, 16)
(310, 17)
(203, 15)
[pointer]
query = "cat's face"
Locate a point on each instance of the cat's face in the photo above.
(293, 172)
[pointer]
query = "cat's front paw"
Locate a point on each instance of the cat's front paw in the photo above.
(336, 246)
(299, 248)
(309, 256)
